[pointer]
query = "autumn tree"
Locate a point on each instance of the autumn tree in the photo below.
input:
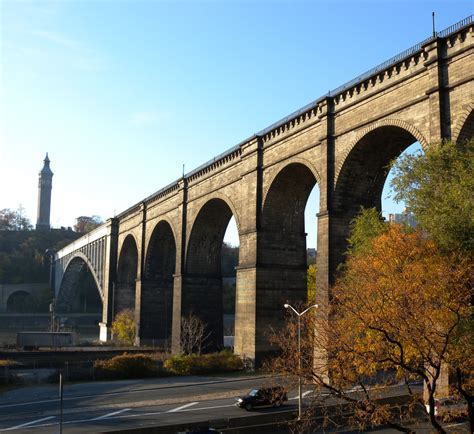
(311, 282)
(398, 313)
(123, 327)
(14, 220)
(437, 187)
(85, 224)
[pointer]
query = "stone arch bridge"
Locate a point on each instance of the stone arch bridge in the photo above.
(160, 257)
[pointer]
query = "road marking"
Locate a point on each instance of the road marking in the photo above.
(210, 408)
(22, 404)
(114, 413)
(302, 395)
(28, 423)
(182, 407)
(139, 390)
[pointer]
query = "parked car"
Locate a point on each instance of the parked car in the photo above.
(449, 408)
(263, 397)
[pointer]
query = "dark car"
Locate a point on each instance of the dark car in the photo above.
(263, 397)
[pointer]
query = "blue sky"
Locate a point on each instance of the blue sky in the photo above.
(123, 93)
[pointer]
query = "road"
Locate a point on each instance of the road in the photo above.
(96, 407)
(102, 406)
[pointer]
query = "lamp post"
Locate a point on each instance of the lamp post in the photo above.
(299, 314)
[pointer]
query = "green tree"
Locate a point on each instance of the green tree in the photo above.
(123, 327)
(367, 225)
(437, 187)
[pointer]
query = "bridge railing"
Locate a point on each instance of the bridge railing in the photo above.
(95, 234)
(455, 27)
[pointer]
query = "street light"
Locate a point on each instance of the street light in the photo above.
(300, 314)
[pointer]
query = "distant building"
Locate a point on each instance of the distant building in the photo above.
(311, 254)
(406, 217)
(45, 185)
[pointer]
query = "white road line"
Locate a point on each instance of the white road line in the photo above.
(28, 423)
(128, 416)
(182, 407)
(210, 408)
(302, 395)
(114, 413)
(22, 404)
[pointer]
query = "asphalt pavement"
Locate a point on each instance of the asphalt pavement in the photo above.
(98, 406)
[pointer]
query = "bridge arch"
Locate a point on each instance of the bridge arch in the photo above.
(127, 270)
(86, 260)
(465, 128)
(281, 246)
(19, 302)
(157, 284)
(295, 160)
(397, 123)
(362, 173)
(283, 224)
(79, 290)
(202, 295)
(359, 179)
(216, 196)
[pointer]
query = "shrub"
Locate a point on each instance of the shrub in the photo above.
(127, 366)
(123, 327)
(194, 364)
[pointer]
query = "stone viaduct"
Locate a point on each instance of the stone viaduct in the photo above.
(161, 257)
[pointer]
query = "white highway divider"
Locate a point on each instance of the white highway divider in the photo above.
(23, 425)
(114, 413)
(174, 410)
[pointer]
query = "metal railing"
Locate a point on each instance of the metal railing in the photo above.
(455, 27)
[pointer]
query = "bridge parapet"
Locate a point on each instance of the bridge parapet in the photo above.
(94, 235)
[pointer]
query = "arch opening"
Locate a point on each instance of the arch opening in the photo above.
(125, 286)
(282, 247)
(157, 287)
(361, 181)
(229, 263)
(78, 303)
(20, 302)
(467, 130)
(203, 285)
(365, 169)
